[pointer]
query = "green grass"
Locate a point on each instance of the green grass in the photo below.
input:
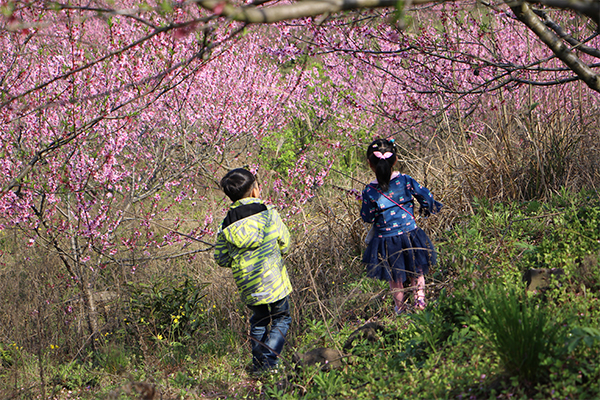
(481, 336)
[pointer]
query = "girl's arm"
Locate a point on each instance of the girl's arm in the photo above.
(428, 204)
(367, 211)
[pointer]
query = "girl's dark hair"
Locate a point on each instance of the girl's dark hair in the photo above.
(237, 183)
(383, 166)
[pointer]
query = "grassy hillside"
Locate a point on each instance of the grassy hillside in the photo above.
(178, 329)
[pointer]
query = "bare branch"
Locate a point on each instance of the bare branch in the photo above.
(97, 61)
(550, 23)
(300, 9)
(563, 52)
(312, 8)
(39, 155)
(126, 13)
(589, 8)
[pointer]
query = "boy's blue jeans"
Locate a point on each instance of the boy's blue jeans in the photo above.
(268, 343)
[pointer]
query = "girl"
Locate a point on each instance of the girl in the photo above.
(398, 248)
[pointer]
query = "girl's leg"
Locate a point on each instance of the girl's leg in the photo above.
(419, 283)
(398, 294)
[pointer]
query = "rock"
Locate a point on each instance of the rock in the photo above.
(539, 278)
(328, 358)
(369, 331)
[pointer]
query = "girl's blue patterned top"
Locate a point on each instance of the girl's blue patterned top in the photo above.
(389, 219)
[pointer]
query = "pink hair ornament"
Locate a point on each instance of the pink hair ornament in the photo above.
(383, 156)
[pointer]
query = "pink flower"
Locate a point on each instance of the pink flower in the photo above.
(219, 8)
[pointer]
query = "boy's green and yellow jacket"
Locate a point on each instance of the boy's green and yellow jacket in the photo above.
(250, 242)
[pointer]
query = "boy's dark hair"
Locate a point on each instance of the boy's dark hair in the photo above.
(237, 183)
(378, 155)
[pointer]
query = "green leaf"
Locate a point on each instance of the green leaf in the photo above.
(573, 344)
(7, 9)
(166, 7)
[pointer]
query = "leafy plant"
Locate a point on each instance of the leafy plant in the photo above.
(430, 329)
(520, 329)
(183, 380)
(75, 375)
(576, 218)
(171, 307)
(6, 357)
(114, 358)
(588, 335)
(328, 382)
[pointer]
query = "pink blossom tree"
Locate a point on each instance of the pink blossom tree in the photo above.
(111, 120)
(565, 45)
(117, 118)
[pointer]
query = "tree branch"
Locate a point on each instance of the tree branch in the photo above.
(550, 23)
(564, 53)
(300, 9)
(312, 8)
(589, 8)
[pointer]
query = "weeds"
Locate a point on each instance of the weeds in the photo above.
(522, 331)
(170, 308)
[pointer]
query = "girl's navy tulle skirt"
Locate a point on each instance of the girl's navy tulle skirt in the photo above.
(398, 257)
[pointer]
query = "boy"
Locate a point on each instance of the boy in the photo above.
(250, 242)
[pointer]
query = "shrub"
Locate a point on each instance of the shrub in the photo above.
(169, 308)
(520, 329)
(6, 357)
